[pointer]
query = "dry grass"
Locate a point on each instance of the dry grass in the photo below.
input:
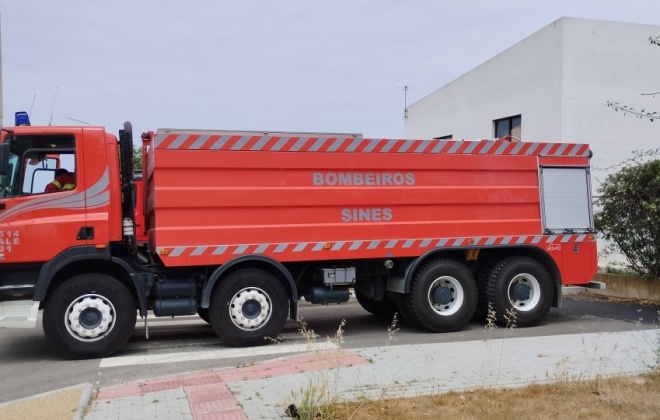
(625, 397)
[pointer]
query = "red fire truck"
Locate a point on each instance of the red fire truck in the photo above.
(238, 226)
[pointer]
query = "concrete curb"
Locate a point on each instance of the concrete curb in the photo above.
(85, 398)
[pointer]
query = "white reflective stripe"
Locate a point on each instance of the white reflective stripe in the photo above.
(439, 146)
(487, 147)
(337, 246)
(388, 244)
(502, 147)
(177, 251)
(454, 148)
(300, 247)
(261, 249)
(198, 251)
(220, 250)
(546, 149)
(355, 245)
(576, 148)
(532, 149)
(373, 245)
(240, 249)
(472, 145)
(281, 247)
(349, 143)
(178, 142)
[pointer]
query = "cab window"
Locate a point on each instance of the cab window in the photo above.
(36, 163)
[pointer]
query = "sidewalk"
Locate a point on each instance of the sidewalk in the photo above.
(264, 390)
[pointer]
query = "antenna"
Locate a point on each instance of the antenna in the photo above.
(405, 99)
(73, 119)
(32, 106)
(53, 107)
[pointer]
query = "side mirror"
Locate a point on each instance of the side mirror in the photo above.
(4, 158)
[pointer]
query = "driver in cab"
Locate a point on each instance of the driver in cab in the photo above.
(64, 180)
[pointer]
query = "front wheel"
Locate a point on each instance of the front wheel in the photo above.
(521, 285)
(89, 315)
(443, 296)
(248, 307)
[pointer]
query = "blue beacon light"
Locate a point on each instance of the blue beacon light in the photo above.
(22, 118)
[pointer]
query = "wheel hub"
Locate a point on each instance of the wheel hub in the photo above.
(250, 309)
(90, 317)
(444, 295)
(522, 291)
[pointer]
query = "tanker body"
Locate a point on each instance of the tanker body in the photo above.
(238, 226)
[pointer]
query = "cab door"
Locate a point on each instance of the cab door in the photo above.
(36, 225)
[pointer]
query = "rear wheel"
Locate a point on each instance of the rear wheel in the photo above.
(248, 307)
(404, 310)
(443, 296)
(89, 315)
(482, 289)
(522, 285)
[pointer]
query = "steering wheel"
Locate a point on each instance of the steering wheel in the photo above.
(8, 190)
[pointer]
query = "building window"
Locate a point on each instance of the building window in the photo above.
(509, 126)
(447, 137)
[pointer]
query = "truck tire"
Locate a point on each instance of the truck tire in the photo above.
(248, 308)
(385, 308)
(483, 274)
(89, 315)
(521, 284)
(404, 311)
(443, 296)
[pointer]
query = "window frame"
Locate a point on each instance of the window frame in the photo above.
(510, 130)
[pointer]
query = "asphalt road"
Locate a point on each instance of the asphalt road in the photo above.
(28, 365)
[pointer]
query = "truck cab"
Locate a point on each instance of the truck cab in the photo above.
(39, 228)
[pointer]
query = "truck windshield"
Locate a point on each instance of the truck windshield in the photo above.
(33, 162)
(8, 181)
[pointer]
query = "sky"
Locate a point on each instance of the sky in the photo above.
(285, 65)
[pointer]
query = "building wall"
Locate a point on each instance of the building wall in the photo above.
(559, 79)
(524, 79)
(608, 61)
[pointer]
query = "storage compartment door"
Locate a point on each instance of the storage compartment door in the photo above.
(566, 200)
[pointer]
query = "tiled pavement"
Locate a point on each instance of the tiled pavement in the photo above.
(263, 390)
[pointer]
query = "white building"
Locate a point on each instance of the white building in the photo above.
(554, 86)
